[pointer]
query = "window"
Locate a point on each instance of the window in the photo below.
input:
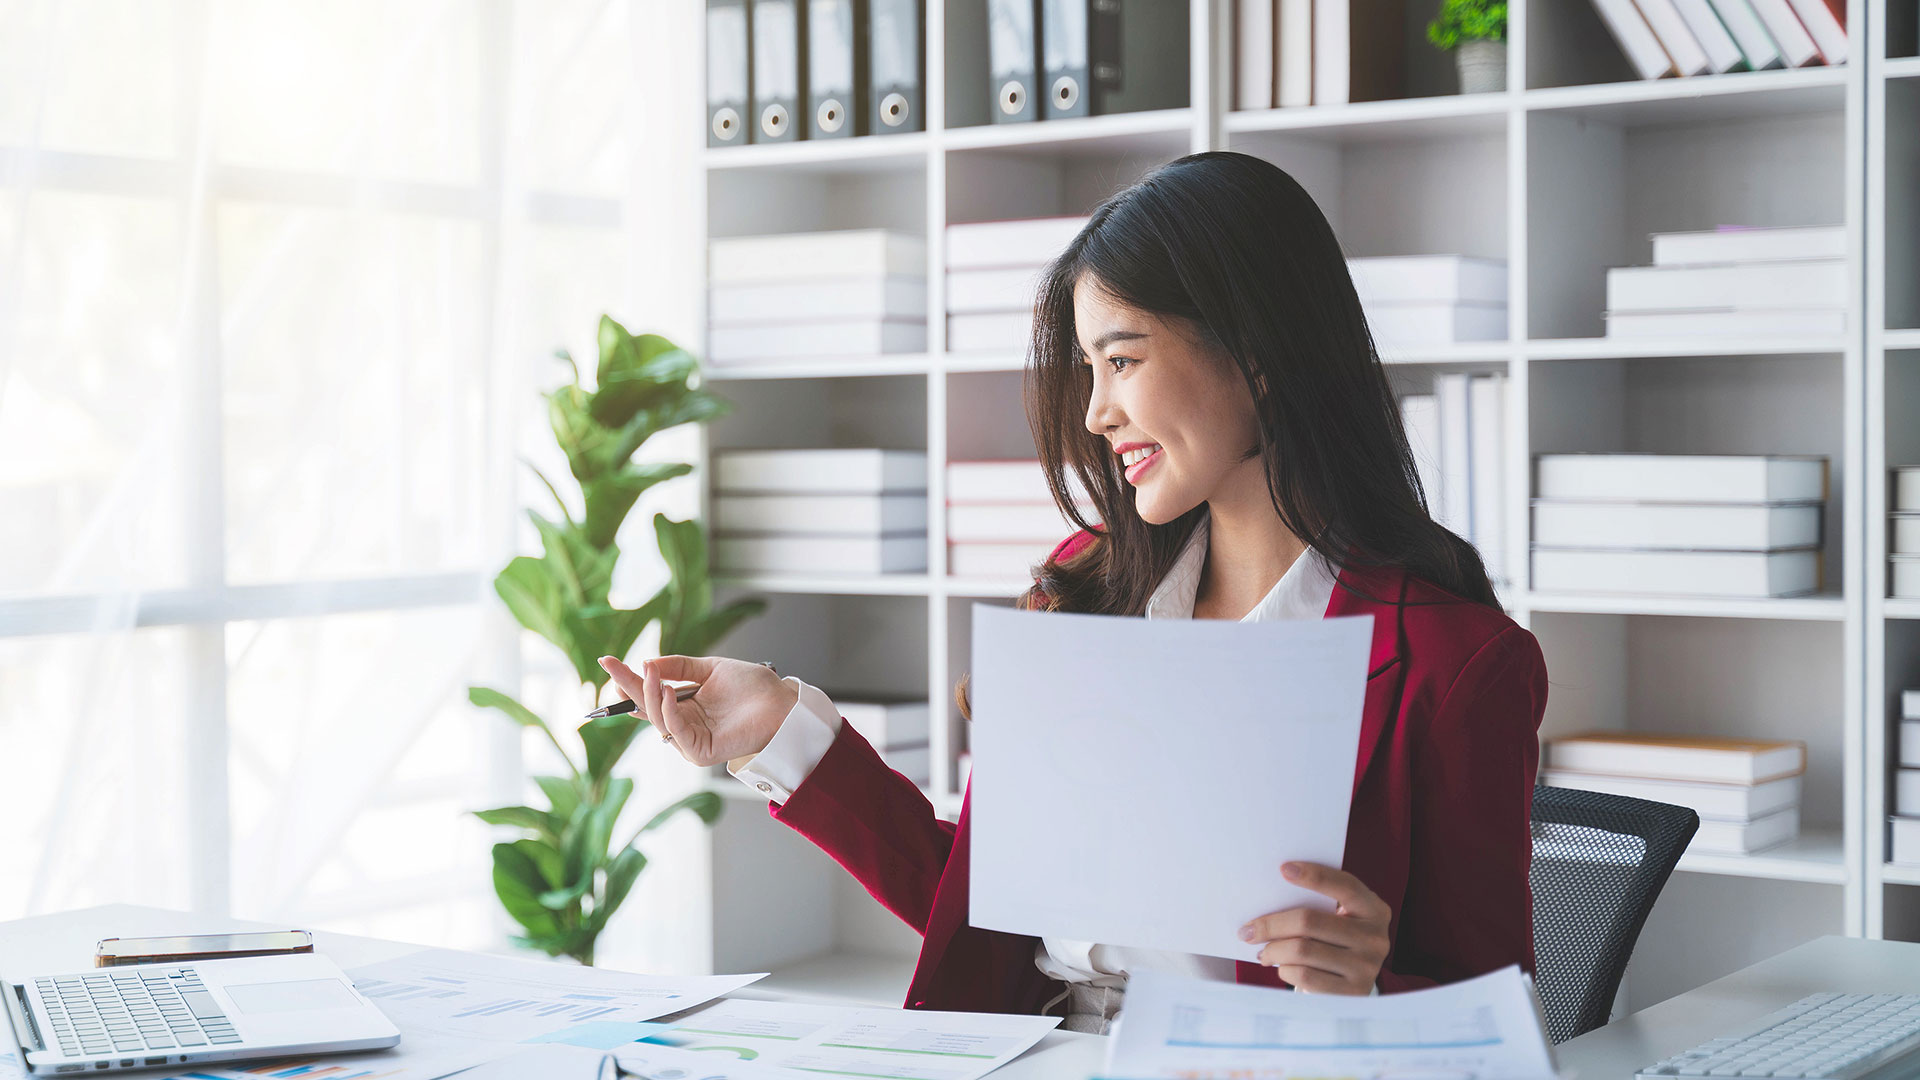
(278, 286)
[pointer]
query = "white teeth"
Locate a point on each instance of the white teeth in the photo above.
(1134, 457)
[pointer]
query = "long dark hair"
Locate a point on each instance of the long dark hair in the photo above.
(1237, 249)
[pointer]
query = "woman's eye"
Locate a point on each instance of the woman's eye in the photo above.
(1120, 362)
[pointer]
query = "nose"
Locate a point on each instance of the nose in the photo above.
(1103, 413)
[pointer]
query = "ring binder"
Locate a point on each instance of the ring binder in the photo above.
(896, 49)
(779, 69)
(1013, 58)
(729, 55)
(837, 68)
(1111, 56)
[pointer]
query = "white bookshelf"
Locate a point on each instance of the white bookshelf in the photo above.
(1890, 628)
(1562, 175)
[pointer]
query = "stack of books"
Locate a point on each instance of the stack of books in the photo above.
(1903, 539)
(1666, 525)
(1703, 37)
(1318, 52)
(841, 511)
(896, 728)
(1734, 282)
(1458, 435)
(1746, 791)
(1414, 301)
(1001, 519)
(1905, 820)
(993, 268)
(803, 296)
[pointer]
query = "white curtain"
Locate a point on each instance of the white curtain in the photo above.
(279, 286)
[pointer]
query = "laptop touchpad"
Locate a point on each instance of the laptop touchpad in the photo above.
(289, 996)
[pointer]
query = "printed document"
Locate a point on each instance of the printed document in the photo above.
(1486, 1028)
(1139, 781)
(887, 1044)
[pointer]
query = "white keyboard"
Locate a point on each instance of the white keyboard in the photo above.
(1820, 1037)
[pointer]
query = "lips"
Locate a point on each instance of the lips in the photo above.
(1139, 467)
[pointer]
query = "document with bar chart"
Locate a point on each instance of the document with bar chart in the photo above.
(1487, 1028)
(880, 1044)
(503, 1000)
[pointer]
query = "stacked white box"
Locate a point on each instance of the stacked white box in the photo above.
(1001, 518)
(1904, 823)
(828, 511)
(1734, 282)
(805, 296)
(1903, 533)
(993, 270)
(1416, 301)
(1678, 525)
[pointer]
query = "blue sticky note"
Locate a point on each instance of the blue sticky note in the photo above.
(600, 1034)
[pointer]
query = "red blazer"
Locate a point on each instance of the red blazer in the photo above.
(1442, 791)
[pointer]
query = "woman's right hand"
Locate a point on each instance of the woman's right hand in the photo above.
(735, 713)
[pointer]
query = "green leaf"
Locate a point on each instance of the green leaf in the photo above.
(564, 796)
(554, 491)
(621, 874)
(586, 847)
(583, 571)
(607, 739)
(523, 817)
(489, 698)
(519, 879)
(532, 597)
(705, 804)
(609, 498)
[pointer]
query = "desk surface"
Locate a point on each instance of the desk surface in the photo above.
(65, 942)
(1848, 965)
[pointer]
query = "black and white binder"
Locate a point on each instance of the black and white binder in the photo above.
(1013, 59)
(1113, 56)
(728, 64)
(837, 68)
(779, 69)
(896, 51)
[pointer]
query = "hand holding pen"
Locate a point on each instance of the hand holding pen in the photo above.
(732, 709)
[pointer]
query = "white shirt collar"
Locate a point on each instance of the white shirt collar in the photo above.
(1303, 592)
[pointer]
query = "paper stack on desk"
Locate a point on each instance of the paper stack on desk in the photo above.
(1488, 1028)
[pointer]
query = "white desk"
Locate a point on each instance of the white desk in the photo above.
(65, 942)
(1847, 965)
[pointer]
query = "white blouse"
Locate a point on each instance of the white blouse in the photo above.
(803, 738)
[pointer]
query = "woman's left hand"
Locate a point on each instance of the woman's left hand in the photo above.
(1322, 953)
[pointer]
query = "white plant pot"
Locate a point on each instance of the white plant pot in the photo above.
(1483, 66)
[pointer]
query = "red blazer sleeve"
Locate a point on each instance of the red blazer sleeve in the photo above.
(875, 823)
(1468, 907)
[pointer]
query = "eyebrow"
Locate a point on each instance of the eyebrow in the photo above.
(1112, 336)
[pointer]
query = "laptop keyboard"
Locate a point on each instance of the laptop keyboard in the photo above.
(115, 1012)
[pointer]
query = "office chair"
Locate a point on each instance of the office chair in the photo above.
(1599, 862)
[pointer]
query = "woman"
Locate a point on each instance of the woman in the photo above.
(1201, 364)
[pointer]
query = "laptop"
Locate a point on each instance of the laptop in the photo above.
(144, 1016)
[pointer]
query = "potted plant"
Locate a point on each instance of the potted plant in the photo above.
(565, 878)
(1476, 32)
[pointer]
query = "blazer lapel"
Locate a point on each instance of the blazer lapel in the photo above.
(1377, 592)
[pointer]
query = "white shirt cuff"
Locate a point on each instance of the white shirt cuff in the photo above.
(803, 738)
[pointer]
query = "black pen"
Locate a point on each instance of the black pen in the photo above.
(621, 708)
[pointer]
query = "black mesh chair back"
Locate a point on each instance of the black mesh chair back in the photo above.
(1599, 862)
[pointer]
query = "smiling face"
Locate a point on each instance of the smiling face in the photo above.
(1179, 416)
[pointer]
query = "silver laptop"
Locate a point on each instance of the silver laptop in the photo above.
(144, 1016)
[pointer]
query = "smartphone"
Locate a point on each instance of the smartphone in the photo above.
(113, 951)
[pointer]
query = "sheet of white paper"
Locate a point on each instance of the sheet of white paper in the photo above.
(497, 999)
(1140, 781)
(891, 1044)
(1192, 1029)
